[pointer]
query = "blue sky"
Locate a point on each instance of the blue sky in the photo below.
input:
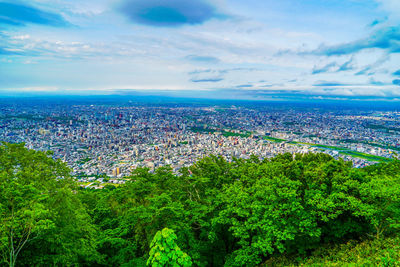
(332, 49)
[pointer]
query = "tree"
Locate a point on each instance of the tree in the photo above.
(291, 204)
(42, 221)
(380, 197)
(165, 252)
(263, 210)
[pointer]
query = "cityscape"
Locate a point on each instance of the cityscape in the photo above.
(104, 143)
(199, 133)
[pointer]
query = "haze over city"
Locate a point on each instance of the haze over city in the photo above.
(337, 49)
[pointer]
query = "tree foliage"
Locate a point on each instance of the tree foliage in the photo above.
(42, 222)
(239, 213)
(165, 252)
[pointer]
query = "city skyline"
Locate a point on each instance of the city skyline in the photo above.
(112, 136)
(218, 49)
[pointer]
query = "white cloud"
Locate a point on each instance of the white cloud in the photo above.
(21, 37)
(392, 7)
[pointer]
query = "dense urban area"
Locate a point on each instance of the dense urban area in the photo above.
(104, 142)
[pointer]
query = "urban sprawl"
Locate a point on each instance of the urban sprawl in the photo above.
(105, 143)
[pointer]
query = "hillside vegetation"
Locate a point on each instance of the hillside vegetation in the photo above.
(307, 210)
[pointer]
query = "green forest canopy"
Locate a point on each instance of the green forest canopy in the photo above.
(216, 213)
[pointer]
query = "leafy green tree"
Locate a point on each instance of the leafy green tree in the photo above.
(165, 252)
(263, 210)
(380, 197)
(130, 215)
(290, 204)
(42, 222)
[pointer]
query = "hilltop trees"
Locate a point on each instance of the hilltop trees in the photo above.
(289, 205)
(247, 211)
(243, 212)
(42, 222)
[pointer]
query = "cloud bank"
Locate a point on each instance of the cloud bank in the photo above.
(19, 15)
(385, 38)
(168, 13)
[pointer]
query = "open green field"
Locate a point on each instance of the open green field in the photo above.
(384, 146)
(346, 151)
(227, 134)
(202, 130)
(320, 146)
(273, 139)
(224, 133)
(365, 156)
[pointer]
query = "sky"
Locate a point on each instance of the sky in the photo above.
(245, 49)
